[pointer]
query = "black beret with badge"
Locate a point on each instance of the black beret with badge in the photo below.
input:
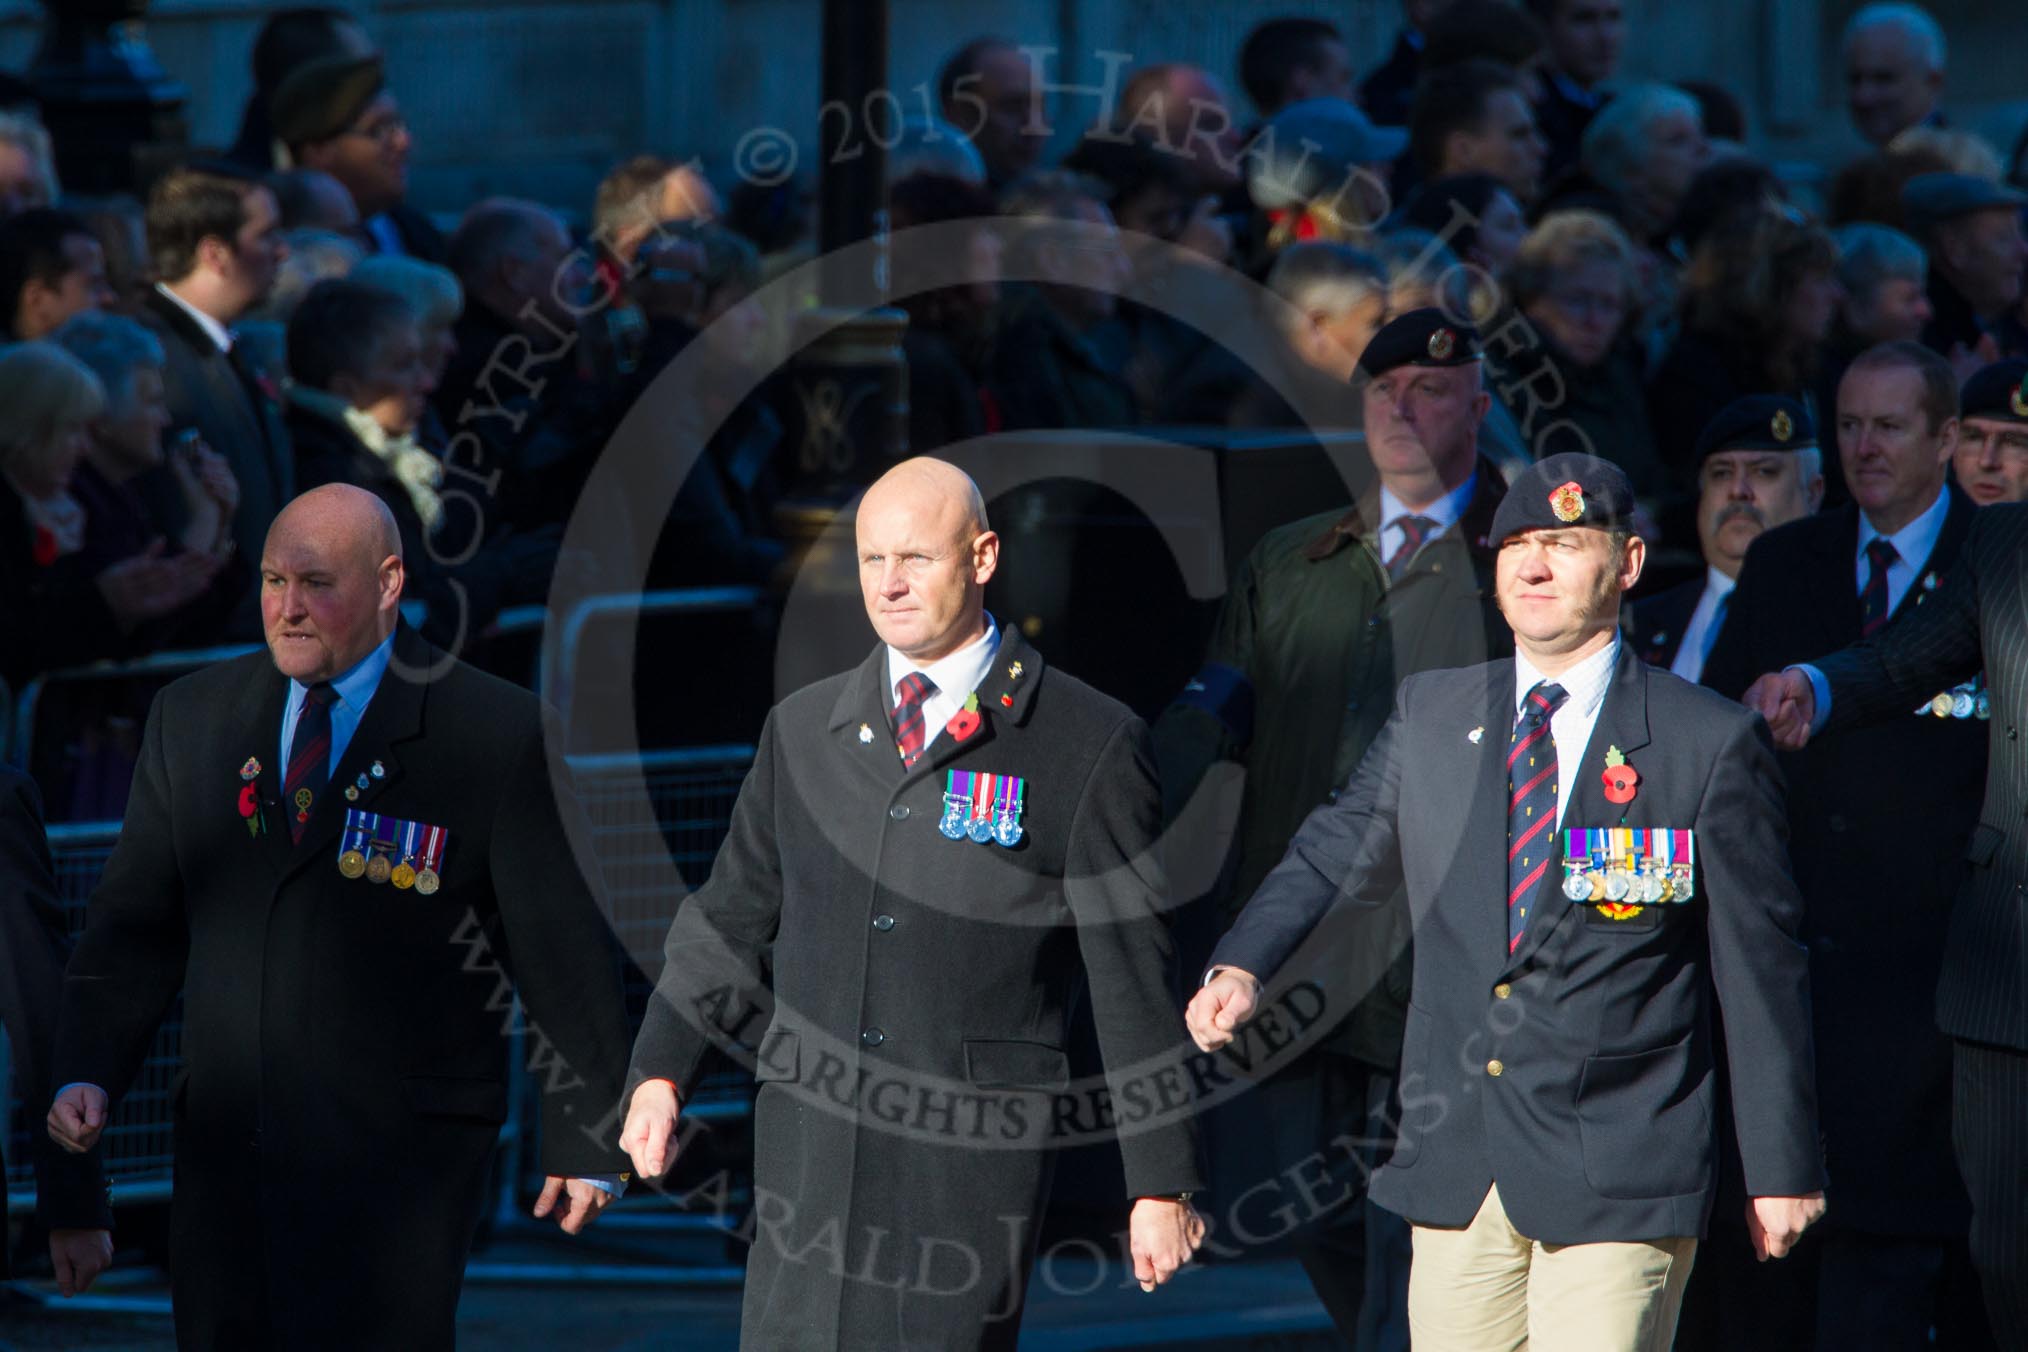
(1998, 392)
(1425, 337)
(1758, 422)
(321, 98)
(1571, 489)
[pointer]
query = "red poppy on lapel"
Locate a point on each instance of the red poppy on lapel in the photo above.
(1621, 779)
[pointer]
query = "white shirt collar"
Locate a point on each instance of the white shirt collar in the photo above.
(1585, 683)
(1445, 511)
(955, 676)
(213, 330)
(1914, 541)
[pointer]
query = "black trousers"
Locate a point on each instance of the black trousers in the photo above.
(1989, 1127)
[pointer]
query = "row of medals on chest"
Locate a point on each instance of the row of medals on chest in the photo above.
(1596, 878)
(377, 865)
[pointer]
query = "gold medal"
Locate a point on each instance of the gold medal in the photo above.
(403, 876)
(1941, 705)
(378, 870)
(427, 882)
(352, 863)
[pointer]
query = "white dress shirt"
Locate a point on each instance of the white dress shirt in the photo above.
(1445, 511)
(213, 330)
(955, 677)
(1702, 630)
(1913, 542)
(1570, 727)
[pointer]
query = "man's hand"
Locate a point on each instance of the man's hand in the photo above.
(650, 1134)
(1162, 1234)
(1775, 1223)
(78, 1117)
(79, 1256)
(1788, 703)
(1226, 1002)
(587, 1200)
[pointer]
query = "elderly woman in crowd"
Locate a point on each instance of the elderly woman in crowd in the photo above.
(1565, 364)
(362, 381)
(61, 605)
(126, 444)
(1760, 296)
(436, 297)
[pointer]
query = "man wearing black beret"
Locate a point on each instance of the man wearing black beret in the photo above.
(1581, 889)
(336, 114)
(1991, 459)
(1321, 623)
(1758, 466)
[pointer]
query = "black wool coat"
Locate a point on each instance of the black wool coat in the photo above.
(345, 1049)
(1879, 818)
(910, 996)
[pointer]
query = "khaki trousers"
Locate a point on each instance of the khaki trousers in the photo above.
(1489, 1288)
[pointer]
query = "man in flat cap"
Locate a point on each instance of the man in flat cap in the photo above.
(1319, 626)
(1878, 821)
(1580, 890)
(1972, 229)
(336, 114)
(1991, 459)
(1758, 466)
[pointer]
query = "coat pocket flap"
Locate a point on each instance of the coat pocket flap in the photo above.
(994, 1064)
(456, 1096)
(1985, 843)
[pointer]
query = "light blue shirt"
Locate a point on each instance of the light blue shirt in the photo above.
(354, 689)
(1914, 543)
(1445, 511)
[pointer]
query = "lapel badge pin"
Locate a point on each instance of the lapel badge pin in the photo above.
(379, 770)
(364, 782)
(1474, 735)
(865, 734)
(251, 770)
(1929, 581)
(351, 793)
(1014, 672)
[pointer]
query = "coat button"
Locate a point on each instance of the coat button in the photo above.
(1495, 1069)
(873, 1037)
(883, 923)
(899, 812)
(1502, 991)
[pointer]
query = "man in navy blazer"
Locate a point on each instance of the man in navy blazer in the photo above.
(1558, 1145)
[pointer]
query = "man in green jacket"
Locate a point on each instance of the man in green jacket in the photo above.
(1321, 624)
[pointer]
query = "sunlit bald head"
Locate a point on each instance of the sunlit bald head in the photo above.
(331, 578)
(925, 556)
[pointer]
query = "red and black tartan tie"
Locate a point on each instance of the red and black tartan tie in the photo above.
(1414, 530)
(913, 691)
(309, 758)
(1531, 804)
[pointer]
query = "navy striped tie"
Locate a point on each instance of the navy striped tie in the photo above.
(1531, 804)
(309, 757)
(912, 692)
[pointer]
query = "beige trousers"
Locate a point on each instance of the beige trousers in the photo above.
(1489, 1288)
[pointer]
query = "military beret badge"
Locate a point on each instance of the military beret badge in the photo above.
(1567, 501)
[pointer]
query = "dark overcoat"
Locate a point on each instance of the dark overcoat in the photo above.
(345, 1043)
(914, 1079)
(1879, 818)
(1577, 1071)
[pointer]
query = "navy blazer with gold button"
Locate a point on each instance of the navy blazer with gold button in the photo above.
(1577, 1072)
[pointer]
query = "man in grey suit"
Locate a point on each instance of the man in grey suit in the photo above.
(1976, 620)
(1579, 891)
(932, 857)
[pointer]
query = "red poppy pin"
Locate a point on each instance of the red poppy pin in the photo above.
(965, 721)
(250, 808)
(1621, 779)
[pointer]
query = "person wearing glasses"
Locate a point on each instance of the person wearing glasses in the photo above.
(338, 115)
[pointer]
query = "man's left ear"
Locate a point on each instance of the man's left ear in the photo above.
(985, 557)
(1632, 562)
(1948, 439)
(393, 575)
